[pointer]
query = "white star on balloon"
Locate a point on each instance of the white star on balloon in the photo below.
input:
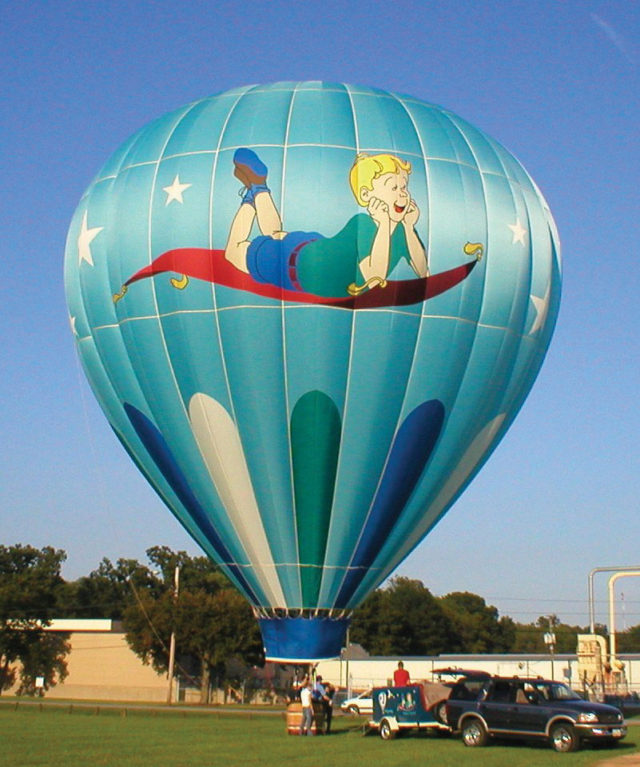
(541, 305)
(519, 232)
(85, 238)
(175, 190)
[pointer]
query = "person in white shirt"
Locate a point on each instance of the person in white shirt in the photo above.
(307, 710)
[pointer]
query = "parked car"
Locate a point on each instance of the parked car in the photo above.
(530, 708)
(361, 704)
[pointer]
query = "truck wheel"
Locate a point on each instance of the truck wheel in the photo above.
(440, 712)
(564, 738)
(474, 733)
(354, 710)
(386, 731)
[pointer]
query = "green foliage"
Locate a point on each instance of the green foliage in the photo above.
(211, 621)
(478, 627)
(43, 655)
(30, 587)
(406, 619)
(216, 632)
(529, 638)
(402, 619)
(105, 592)
(629, 640)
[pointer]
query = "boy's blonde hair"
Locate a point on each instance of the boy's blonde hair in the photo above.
(367, 167)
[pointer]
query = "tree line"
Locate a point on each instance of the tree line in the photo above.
(214, 627)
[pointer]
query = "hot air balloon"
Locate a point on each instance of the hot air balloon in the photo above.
(310, 312)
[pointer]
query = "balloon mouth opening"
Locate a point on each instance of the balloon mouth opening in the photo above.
(303, 639)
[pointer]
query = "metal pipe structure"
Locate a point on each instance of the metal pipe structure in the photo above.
(612, 616)
(592, 619)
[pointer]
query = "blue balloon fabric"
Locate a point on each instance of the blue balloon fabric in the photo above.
(310, 312)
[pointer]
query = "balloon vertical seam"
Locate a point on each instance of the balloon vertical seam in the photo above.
(214, 295)
(158, 316)
(283, 318)
(216, 308)
(418, 335)
(331, 600)
(402, 405)
(470, 347)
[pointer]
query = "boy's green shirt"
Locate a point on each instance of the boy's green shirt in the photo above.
(325, 267)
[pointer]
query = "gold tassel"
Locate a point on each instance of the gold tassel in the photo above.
(180, 284)
(474, 249)
(372, 282)
(117, 296)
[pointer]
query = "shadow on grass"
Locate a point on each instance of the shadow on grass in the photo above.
(620, 748)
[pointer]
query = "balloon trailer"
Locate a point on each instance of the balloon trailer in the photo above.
(398, 709)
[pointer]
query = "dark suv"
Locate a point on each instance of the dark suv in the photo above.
(529, 708)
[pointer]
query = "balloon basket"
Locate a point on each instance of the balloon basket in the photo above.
(294, 719)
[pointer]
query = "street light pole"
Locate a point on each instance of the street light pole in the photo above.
(550, 641)
(172, 643)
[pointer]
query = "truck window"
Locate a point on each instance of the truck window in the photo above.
(501, 692)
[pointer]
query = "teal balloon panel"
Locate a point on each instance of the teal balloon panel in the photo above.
(310, 311)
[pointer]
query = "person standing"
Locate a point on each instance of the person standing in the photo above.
(319, 694)
(401, 676)
(330, 691)
(307, 710)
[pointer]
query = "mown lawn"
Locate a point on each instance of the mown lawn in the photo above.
(31, 736)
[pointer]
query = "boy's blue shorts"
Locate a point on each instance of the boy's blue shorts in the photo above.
(274, 261)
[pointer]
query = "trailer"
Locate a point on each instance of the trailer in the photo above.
(399, 709)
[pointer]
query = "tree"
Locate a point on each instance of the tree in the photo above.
(478, 626)
(402, 619)
(212, 622)
(529, 637)
(30, 586)
(629, 640)
(106, 591)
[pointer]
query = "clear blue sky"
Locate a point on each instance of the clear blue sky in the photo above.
(556, 82)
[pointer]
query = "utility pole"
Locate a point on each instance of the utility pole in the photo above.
(550, 641)
(172, 643)
(347, 677)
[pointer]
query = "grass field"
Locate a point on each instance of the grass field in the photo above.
(49, 736)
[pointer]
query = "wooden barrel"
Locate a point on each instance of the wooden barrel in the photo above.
(294, 718)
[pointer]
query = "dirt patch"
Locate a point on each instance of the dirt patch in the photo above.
(628, 760)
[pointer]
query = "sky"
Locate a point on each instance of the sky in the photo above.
(555, 82)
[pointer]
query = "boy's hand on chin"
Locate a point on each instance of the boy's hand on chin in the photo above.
(378, 210)
(412, 215)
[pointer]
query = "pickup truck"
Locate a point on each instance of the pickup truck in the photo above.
(530, 708)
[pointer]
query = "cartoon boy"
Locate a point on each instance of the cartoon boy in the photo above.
(360, 256)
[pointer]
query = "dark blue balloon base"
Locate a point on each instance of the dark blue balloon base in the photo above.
(303, 640)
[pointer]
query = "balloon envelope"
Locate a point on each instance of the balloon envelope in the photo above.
(306, 358)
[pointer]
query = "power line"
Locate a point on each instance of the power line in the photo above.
(157, 635)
